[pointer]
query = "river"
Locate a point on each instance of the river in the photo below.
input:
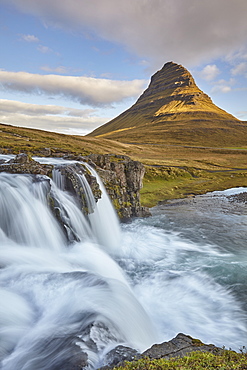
(181, 270)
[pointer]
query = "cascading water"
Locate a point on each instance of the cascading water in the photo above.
(59, 299)
(68, 284)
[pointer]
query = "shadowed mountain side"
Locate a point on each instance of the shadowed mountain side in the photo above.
(175, 111)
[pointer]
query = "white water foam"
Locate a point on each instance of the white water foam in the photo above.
(82, 285)
(60, 295)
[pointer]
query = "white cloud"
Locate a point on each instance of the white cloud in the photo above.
(50, 117)
(59, 69)
(221, 88)
(240, 69)
(86, 90)
(44, 49)
(29, 38)
(187, 32)
(210, 72)
(242, 115)
(12, 106)
(224, 86)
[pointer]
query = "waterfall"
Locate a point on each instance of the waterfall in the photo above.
(63, 297)
(104, 220)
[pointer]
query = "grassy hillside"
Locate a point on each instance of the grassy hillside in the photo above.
(15, 139)
(172, 171)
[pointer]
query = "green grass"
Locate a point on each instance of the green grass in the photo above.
(164, 183)
(183, 170)
(227, 360)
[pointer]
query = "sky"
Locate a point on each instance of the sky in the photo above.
(70, 66)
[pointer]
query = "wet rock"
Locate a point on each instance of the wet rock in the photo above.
(122, 178)
(239, 198)
(72, 174)
(118, 355)
(22, 163)
(179, 346)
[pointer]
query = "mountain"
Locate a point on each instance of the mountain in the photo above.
(173, 110)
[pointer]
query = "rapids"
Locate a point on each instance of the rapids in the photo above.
(91, 284)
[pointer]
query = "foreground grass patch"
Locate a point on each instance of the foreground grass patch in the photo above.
(228, 360)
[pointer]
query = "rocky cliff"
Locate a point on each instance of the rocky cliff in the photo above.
(179, 346)
(175, 110)
(121, 176)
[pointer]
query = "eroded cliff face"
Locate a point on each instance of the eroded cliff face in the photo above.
(121, 176)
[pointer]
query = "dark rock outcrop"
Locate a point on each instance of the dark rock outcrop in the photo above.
(179, 346)
(121, 176)
(23, 163)
(73, 183)
(119, 355)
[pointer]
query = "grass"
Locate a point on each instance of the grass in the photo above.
(159, 185)
(227, 360)
(172, 170)
(19, 139)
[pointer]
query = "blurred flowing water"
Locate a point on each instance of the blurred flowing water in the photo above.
(87, 284)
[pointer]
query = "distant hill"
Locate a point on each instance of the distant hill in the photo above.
(173, 110)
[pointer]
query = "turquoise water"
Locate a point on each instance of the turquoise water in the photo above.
(188, 263)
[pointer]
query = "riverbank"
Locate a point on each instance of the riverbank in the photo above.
(163, 183)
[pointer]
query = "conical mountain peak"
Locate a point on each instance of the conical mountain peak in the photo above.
(171, 104)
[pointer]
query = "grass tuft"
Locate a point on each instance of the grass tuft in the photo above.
(227, 360)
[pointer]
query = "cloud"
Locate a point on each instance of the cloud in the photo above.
(224, 86)
(187, 32)
(85, 90)
(240, 69)
(50, 117)
(59, 69)
(29, 38)
(33, 39)
(12, 106)
(44, 49)
(242, 115)
(210, 72)
(221, 88)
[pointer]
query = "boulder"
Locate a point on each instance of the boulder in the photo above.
(179, 346)
(118, 355)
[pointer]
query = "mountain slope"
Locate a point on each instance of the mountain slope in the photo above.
(174, 110)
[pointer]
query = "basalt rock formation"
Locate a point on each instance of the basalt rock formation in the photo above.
(121, 176)
(174, 110)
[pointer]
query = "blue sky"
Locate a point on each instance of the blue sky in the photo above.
(72, 65)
